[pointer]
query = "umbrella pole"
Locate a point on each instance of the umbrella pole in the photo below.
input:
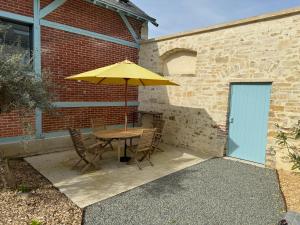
(126, 119)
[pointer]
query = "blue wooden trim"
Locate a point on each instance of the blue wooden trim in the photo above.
(87, 33)
(55, 134)
(38, 123)
(37, 38)
(129, 27)
(51, 7)
(16, 17)
(93, 104)
(37, 60)
(62, 133)
(7, 140)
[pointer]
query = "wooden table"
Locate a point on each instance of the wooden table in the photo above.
(119, 135)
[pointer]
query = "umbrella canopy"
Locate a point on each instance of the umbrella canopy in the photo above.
(126, 73)
(120, 72)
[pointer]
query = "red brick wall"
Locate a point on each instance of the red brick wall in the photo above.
(81, 117)
(84, 15)
(23, 7)
(66, 54)
(10, 124)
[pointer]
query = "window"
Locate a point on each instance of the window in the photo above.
(16, 34)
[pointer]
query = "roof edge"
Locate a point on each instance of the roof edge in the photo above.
(119, 9)
(235, 23)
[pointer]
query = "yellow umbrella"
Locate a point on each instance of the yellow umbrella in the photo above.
(127, 73)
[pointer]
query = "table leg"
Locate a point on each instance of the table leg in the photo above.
(125, 158)
(119, 149)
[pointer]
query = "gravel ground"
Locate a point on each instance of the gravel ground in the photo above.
(216, 191)
(45, 203)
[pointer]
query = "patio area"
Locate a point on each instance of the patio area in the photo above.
(112, 177)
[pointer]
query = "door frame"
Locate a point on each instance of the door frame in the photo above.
(229, 112)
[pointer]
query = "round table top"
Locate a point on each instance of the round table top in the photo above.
(119, 133)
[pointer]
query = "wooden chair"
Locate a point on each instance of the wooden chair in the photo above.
(159, 125)
(87, 153)
(98, 125)
(144, 147)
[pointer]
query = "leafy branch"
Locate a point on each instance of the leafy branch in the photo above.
(284, 135)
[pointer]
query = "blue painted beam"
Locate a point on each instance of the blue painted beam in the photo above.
(54, 134)
(93, 104)
(129, 27)
(38, 123)
(37, 39)
(17, 17)
(51, 7)
(62, 133)
(37, 60)
(7, 140)
(87, 33)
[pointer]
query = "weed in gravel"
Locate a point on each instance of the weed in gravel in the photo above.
(35, 222)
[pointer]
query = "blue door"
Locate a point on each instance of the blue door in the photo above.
(248, 121)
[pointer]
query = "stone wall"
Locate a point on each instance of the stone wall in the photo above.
(258, 49)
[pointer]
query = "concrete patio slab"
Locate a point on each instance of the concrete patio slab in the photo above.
(113, 177)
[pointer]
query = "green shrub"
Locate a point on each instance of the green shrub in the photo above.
(35, 222)
(23, 189)
(284, 135)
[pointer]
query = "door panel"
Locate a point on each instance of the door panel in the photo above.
(248, 121)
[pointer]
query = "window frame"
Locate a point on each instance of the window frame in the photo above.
(30, 26)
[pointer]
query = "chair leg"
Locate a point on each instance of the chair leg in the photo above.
(143, 157)
(138, 164)
(159, 149)
(149, 158)
(110, 144)
(156, 148)
(97, 155)
(91, 163)
(86, 167)
(137, 161)
(76, 164)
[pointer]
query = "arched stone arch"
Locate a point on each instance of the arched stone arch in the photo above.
(178, 61)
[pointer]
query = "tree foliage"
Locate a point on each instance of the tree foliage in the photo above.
(20, 88)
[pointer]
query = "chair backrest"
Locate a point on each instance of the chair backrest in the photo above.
(159, 125)
(157, 117)
(76, 137)
(146, 139)
(98, 124)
